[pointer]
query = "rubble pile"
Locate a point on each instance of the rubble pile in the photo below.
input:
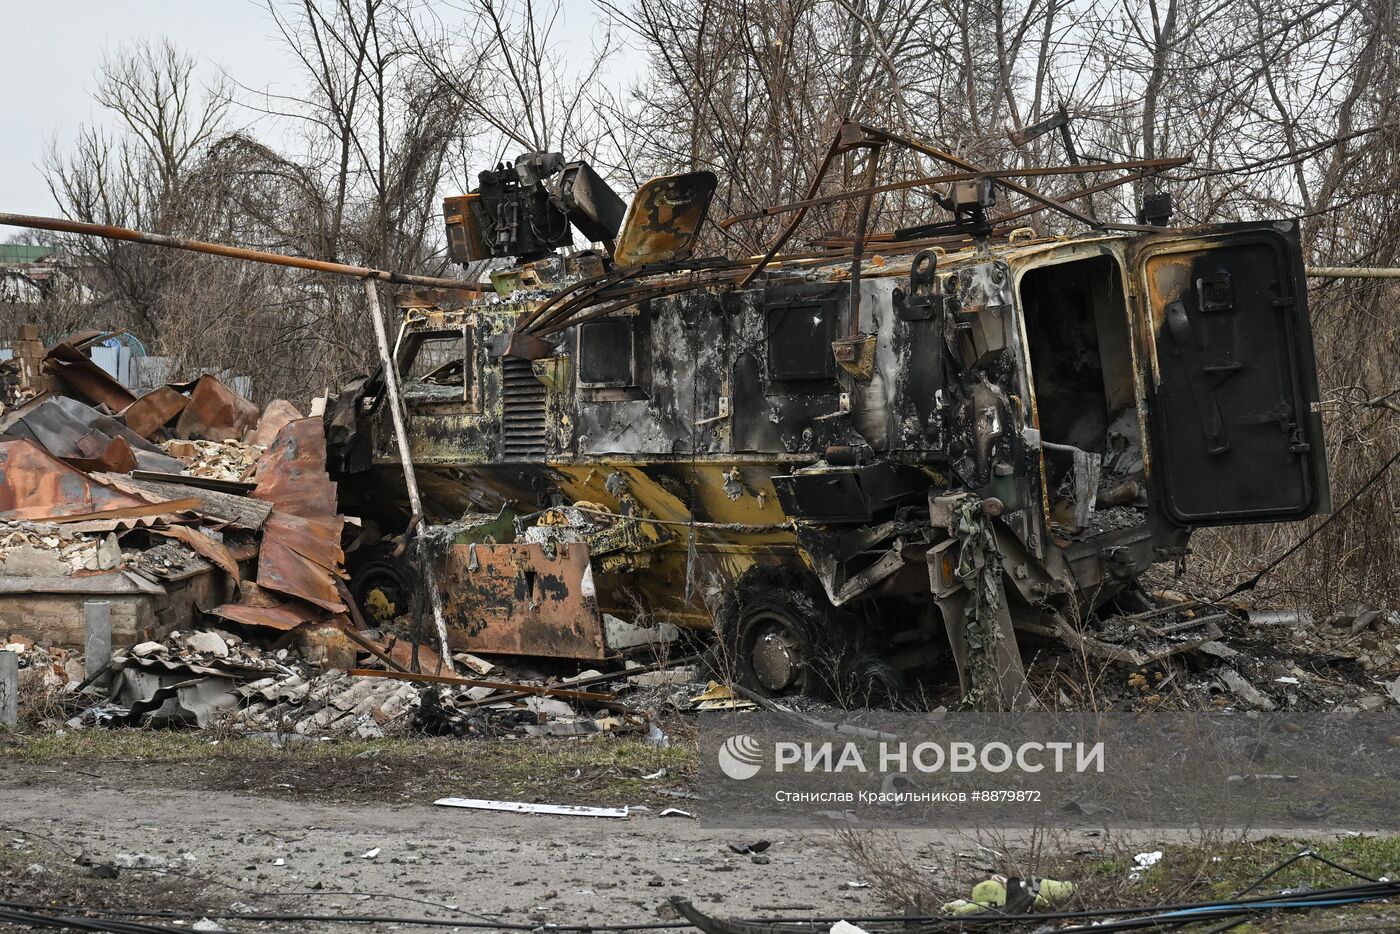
(1194, 655)
(43, 668)
(250, 685)
(173, 501)
(61, 550)
(215, 460)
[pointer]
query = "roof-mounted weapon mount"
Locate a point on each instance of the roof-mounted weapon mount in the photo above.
(529, 207)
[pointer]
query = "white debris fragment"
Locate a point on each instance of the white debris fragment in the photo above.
(529, 807)
(207, 643)
(1144, 861)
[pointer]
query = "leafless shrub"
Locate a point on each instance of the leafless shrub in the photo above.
(41, 703)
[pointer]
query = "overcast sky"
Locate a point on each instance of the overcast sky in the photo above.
(55, 46)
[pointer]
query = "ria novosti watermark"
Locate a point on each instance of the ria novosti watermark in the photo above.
(740, 757)
(981, 769)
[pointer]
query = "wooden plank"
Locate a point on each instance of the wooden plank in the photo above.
(241, 511)
(235, 487)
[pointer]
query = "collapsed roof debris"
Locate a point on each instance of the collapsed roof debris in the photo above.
(209, 512)
(158, 515)
(209, 677)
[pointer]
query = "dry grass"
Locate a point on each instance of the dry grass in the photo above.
(41, 703)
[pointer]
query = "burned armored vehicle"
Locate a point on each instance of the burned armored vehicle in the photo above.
(922, 449)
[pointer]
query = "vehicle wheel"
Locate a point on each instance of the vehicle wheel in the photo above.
(780, 638)
(383, 589)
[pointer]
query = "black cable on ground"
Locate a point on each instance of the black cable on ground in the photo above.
(38, 919)
(1157, 916)
(1161, 915)
(1253, 582)
(1301, 855)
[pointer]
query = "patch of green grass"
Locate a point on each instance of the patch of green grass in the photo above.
(598, 768)
(112, 745)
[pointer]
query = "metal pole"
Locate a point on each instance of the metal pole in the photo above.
(9, 689)
(97, 644)
(1353, 272)
(235, 252)
(410, 479)
(863, 219)
(929, 180)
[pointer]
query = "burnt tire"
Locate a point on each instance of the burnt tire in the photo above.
(772, 644)
(781, 636)
(382, 586)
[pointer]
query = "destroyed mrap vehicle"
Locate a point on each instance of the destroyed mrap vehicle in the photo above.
(922, 448)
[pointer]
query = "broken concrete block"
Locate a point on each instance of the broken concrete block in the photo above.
(549, 706)
(1280, 618)
(478, 665)
(207, 643)
(109, 553)
(28, 561)
(686, 674)
(619, 634)
(1246, 692)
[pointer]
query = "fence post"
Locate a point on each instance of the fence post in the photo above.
(97, 645)
(9, 689)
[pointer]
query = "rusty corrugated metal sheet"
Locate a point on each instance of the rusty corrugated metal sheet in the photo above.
(285, 616)
(88, 439)
(84, 378)
(155, 409)
(36, 485)
(292, 471)
(302, 557)
(520, 600)
(301, 554)
(216, 412)
(278, 414)
(207, 547)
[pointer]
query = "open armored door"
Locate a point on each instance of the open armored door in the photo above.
(1233, 384)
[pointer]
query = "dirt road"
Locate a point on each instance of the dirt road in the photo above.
(141, 835)
(499, 865)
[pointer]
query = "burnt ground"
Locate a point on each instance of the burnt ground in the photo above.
(179, 822)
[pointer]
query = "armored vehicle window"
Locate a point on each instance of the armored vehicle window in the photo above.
(438, 365)
(607, 353)
(799, 341)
